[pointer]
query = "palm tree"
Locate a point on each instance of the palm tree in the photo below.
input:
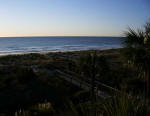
(136, 51)
(91, 66)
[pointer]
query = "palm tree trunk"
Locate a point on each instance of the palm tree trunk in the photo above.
(93, 96)
(147, 83)
(93, 90)
(147, 88)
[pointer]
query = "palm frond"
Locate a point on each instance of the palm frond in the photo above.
(134, 38)
(147, 28)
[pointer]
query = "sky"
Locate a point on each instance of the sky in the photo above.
(71, 17)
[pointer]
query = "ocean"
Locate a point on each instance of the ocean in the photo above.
(17, 45)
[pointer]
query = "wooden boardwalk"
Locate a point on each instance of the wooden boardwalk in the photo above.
(82, 84)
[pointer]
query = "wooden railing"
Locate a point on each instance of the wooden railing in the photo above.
(81, 83)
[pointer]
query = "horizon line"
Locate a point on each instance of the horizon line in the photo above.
(62, 36)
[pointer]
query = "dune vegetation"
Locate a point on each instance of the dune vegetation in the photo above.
(113, 82)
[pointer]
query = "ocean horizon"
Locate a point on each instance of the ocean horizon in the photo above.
(35, 44)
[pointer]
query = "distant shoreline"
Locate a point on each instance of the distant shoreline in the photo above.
(47, 52)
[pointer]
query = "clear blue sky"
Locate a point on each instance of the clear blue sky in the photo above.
(71, 17)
